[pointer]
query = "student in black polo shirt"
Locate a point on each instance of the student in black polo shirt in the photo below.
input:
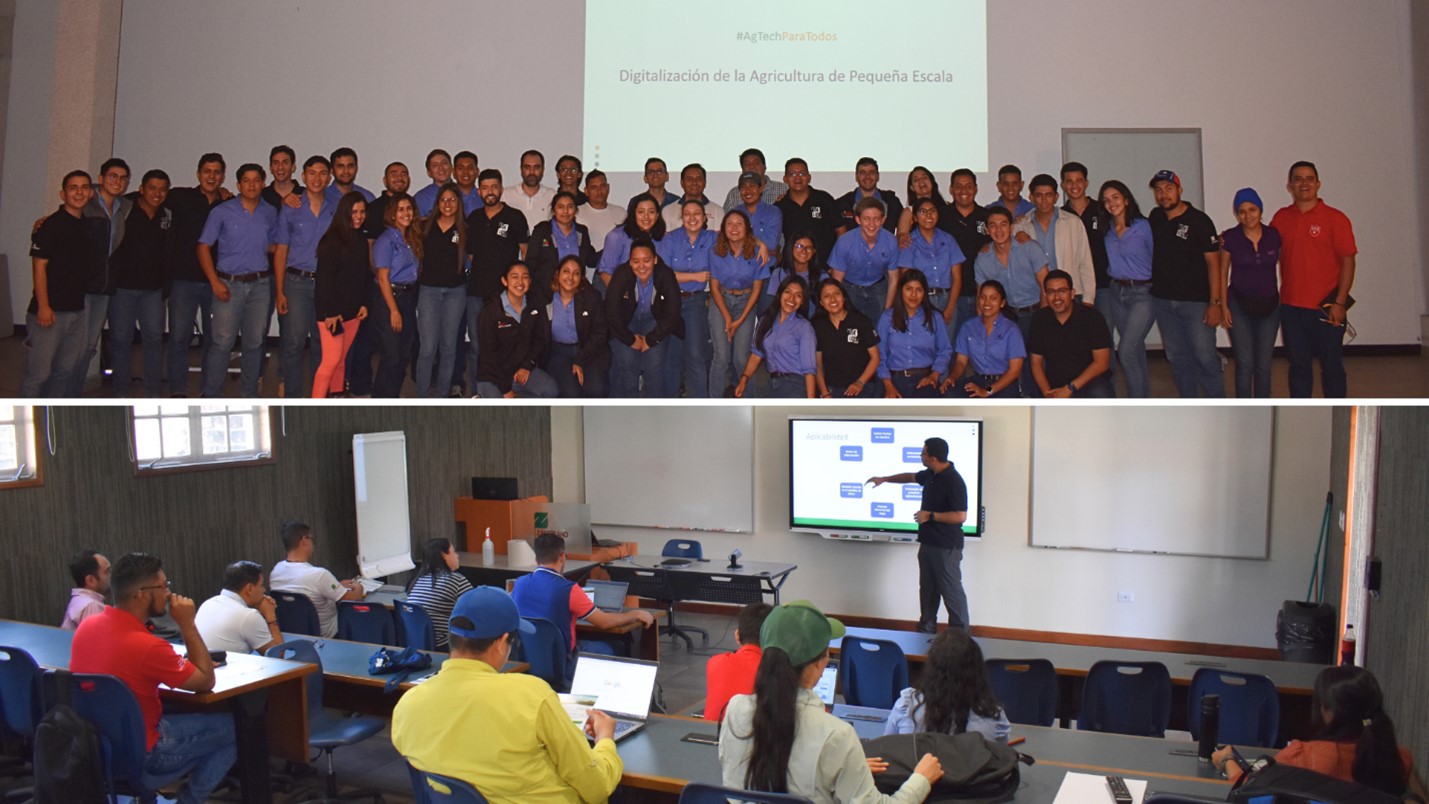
(190, 293)
(1069, 345)
(54, 324)
(497, 235)
(845, 346)
(966, 221)
(1187, 289)
(138, 267)
(807, 209)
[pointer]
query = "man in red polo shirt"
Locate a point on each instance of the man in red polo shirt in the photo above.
(1317, 268)
(117, 642)
(731, 674)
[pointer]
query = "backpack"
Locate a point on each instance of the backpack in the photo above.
(975, 769)
(1286, 784)
(403, 662)
(69, 757)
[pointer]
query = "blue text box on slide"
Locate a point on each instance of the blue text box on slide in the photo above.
(913, 491)
(912, 454)
(851, 491)
(851, 453)
(881, 510)
(881, 435)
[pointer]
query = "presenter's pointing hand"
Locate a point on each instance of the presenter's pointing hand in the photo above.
(876, 481)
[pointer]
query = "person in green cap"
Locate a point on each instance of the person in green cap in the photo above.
(780, 739)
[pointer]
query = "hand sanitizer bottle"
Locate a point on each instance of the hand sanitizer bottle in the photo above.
(488, 550)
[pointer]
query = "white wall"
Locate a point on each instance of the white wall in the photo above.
(25, 193)
(1012, 585)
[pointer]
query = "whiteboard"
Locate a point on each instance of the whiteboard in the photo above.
(1183, 480)
(384, 522)
(676, 467)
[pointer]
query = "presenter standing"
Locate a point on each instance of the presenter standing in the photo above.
(940, 536)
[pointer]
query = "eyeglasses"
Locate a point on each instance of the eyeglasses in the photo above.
(166, 585)
(570, 171)
(799, 174)
(657, 172)
(803, 247)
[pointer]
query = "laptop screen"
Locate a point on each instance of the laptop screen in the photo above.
(609, 594)
(620, 687)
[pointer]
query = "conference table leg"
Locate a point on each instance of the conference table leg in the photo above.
(252, 730)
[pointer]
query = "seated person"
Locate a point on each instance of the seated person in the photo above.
(438, 586)
(297, 576)
(115, 642)
(242, 618)
(90, 570)
(731, 674)
(547, 594)
(529, 751)
(1354, 739)
(952, 695)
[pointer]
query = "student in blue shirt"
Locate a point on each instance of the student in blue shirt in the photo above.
(1009, 190)
(233, 253)
(1020, 267)
(935, 253)
(766, 222)
(992, 346)
(295, 265)
(514, 334)
(865, 260)
(1128, 249)
(579, 360)
(737, 276)
(396, 255)
(801, 259)
(914, 343)
(785, 338)
(441, 299)
(642, 307)
(344, 176)
(642, 219)
(439, 168)
(465, 170)
(687, 251)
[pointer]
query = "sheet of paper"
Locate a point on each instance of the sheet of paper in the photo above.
(1087, 788)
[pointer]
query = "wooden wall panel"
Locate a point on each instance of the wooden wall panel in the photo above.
(200, 521)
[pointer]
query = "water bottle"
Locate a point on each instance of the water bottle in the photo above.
(1347, 646)
(488, 550)
(1210, 727)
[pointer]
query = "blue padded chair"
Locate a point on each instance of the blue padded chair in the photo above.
(296, 614)
(697, 793)
(111, 706)
(1026, 688)
(1250, 707)
(874, 671)
(434, 788)
(326, 731)
(548, 653)
(691, 549)
(682, 548)
(366, 622)
(1126, 698)
(19, 693)
(415, 626)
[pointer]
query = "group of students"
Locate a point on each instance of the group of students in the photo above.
(782, 291)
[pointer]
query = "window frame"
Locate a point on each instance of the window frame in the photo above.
(27, 443)
(263, 418)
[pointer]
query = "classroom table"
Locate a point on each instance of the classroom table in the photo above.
(702, 579)
(249, 686)
(501, 569)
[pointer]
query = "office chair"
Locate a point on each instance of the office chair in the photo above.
(1250, 707)
(110, 705)
(691, 549)
(365, 622)
(327, 731)
(1026, 688)
(548, 653)
(697, 793)
(434, 788)
(414, 627)
(1126, 698)
(296, 614)
(874, 671)
(683, 548)
(19, 708)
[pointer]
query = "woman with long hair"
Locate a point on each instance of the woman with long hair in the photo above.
(780, 739)
(441, 299)
(992, 346)
(737, 275)
(579, 360)
(1354, 738)
(1128, 250)
(952, 695)
(935, 253)
(687, 251)
(340, 291)
(914, 341)
(642, 221)
(438, 585)
(846, 346)
(514, 335)
(921, 186)
(397, 256)
(642, 312)
(785, 338)
(554, 240)
(801, 259)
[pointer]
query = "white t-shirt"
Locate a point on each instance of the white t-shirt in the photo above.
(227, 623)
(600, 221)
(536, 207)
(320, 586)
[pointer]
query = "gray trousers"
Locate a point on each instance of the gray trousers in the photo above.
(940, 580)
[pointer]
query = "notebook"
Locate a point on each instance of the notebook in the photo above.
(619, 687)
(608, 595)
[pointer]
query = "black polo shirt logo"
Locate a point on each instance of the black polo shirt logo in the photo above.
(502, 229)
(982, 227)
(817, 213)
(853, 336)
(1182, 231)
(456, 237)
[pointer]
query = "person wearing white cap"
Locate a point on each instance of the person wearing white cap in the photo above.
(528, 751)
(780, 739)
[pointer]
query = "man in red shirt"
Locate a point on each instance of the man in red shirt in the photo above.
(1317, 268)
(731, 674)
(117, 642)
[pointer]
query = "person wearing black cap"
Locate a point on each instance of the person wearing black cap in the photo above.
(940, 518)
(780, 739)
(528, 751)
(1187, 289)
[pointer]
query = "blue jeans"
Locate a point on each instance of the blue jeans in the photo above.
(396, 347)
(296, 329)
(1191, 347)
(558, 365)
(246, 313)
(907, 388)
(790, 387)
(871, 300)
(202, 745)
(54, 350)
(628, 366)
(146, 307)
(187, 300)
(439, 315)
(473, 309)
(539, 385)
(967, 310)
(688, 358)
(724, 353)
(1103, 306)
(1133, 314)
(1252, 344)
(1307, 339)
(96, 312)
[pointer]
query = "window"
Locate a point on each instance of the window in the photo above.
(19, 459)
(181, 436)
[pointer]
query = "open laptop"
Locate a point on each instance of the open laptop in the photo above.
(609, 595)
(620, 687)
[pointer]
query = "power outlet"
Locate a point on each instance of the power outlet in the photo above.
(1126, 597)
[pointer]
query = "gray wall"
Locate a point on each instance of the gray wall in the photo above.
(1419, 20)
(199, 521)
